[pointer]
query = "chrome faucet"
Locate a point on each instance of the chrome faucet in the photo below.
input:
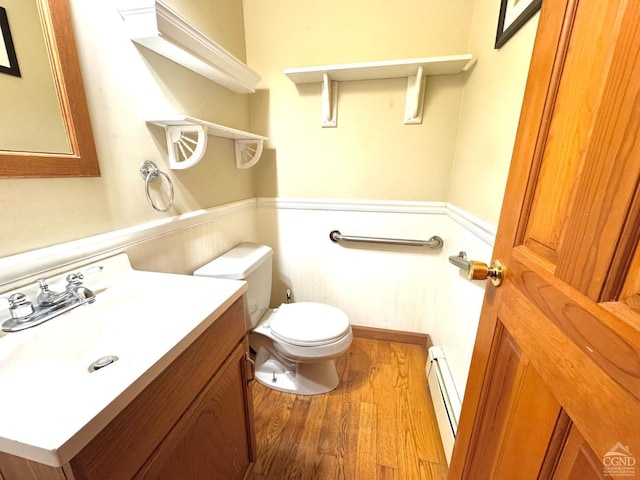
(74, 290)
(49, 304)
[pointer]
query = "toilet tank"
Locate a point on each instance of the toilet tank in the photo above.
(250, 262)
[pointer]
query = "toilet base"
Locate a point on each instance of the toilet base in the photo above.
(299, 378)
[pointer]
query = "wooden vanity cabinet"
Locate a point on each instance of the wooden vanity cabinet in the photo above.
(194, 421)
(210, 440)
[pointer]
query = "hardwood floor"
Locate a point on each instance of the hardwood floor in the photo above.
(378, 424)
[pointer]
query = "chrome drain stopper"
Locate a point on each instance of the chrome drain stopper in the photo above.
(102, 362)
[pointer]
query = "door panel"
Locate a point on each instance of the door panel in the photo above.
(630, 292)
(522, 407)
(557, 353)
(599, 222)
(591, 367)
(572, 122)
(578, 461)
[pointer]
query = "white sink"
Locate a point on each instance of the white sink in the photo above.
(52, 403)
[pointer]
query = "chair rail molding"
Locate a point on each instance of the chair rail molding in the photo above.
(350, 205)
(19, 269)
(478, 227)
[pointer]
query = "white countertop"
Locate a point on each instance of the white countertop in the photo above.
(51, 405)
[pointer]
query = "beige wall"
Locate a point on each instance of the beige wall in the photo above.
(123, 85)
(461, 152)
(371, 154)
(489, 115)
(219, 19)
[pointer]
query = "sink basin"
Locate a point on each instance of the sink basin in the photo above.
(52, 402)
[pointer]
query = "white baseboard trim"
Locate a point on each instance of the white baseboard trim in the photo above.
(18, 268)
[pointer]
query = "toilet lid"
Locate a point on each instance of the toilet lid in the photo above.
(309, 323)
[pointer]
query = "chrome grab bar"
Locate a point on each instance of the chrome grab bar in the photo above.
(433, 242)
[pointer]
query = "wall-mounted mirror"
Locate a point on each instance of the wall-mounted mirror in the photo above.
(45, 129)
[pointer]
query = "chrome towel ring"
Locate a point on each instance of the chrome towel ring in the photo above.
(150, 172)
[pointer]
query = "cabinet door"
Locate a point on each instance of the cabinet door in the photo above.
(213, 439)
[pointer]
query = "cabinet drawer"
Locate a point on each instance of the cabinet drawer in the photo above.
(122, 447)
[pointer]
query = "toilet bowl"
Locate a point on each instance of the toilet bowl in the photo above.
(295, 344)
(295, 359)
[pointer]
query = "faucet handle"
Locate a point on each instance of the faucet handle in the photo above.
(19, 305)
(74, 278)
(46, 297)
(93, 269)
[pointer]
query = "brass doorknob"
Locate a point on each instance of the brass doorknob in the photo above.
(482, 271)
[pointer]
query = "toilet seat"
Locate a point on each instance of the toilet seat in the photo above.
(309, 324)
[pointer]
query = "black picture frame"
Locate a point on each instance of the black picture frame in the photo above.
(6, 43)
(506, 31)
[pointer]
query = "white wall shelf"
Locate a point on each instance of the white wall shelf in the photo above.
(414, 69)
(187, 141)
(152, 24)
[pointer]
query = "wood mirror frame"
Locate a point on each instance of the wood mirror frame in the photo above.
(55, 17)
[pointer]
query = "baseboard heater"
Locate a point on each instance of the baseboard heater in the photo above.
(446, 400)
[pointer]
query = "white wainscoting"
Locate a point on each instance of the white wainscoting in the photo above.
(377, 286)
(460, 300)
(398, 288)
(178, 244)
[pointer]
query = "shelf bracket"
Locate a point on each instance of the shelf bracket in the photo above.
(186, 145)
(248, 152)
(415, 98)
(187, 141)
(329, 102)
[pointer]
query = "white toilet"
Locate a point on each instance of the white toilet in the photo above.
(296, 344)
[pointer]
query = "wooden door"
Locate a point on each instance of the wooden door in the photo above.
(554, 387)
